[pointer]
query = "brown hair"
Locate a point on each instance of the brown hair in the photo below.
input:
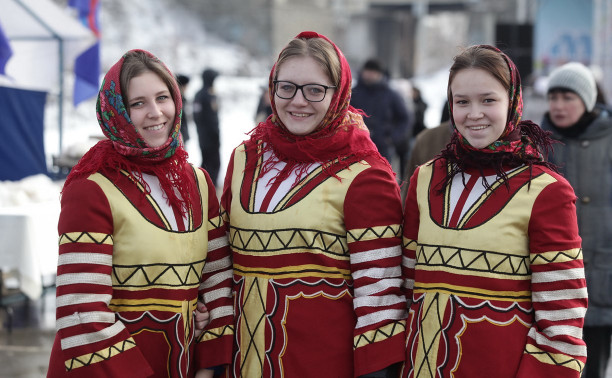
(138, 62)
(319, 49)
(482, 58)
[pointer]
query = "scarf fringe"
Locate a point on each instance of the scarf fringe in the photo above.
(171, 172)
(335, 148)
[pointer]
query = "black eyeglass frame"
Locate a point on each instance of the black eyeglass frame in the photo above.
(301, 88)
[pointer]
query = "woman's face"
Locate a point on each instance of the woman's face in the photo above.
(300, 116)
(151, 108)
(565, 108)
(480, 106)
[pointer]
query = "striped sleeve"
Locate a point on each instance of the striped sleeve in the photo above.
(559, 295)
(373, 216)
(93, 343)
(215, 343)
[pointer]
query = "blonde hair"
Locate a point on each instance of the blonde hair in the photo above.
(319, 49)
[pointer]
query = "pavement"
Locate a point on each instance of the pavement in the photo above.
(24, 352)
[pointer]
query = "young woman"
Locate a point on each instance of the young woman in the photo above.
(314, 217)
(492, 258)
(140, 240)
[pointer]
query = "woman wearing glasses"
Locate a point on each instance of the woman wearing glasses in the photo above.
(314, 214)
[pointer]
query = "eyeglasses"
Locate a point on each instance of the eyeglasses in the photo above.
(311, 92)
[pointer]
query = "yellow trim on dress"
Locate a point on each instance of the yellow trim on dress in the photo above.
(293, 271)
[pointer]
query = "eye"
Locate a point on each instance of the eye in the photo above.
(286, 87)
(163, 98)
(315, 89)
(460, 102)
(136, 104)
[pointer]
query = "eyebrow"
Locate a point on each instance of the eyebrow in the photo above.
(481, 94)
(156, 94)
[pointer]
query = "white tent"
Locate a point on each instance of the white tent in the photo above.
(45, 39)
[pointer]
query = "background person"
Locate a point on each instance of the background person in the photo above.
(206, 118)
(387, 118)
(183, 82)
(140, 239)
(584, 129)
(492, 261)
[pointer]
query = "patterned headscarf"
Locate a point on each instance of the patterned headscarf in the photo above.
(125, 149)
(341, 138)
(511, 139)
(521, 142)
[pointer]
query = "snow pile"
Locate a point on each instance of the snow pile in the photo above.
(30, 190)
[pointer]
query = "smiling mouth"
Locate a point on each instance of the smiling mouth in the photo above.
(476, 128)
(299, 115)
(155, 128)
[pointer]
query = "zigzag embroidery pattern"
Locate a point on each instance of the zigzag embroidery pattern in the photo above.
(209, 334)
(560, 255)
(100, 356)
(84, 237)
(216, 222)
(566, 362)
(191, 278)
(261, 240)
(465, 259)
(379, 335)
(431, 312)
(371, 233)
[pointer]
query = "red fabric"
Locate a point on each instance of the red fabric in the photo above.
(159, 344)
(514, 305)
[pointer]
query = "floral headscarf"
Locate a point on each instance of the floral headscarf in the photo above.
(341, 138)
(125, 149)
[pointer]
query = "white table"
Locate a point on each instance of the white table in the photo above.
(29, 244)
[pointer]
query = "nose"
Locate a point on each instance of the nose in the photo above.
(299, 98)
(555, 103)
(154, 111)
(475, 113)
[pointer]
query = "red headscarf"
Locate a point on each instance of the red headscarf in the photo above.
(125, 149)
(342, 136)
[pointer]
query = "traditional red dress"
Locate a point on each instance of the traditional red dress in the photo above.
(495, 277)
(129, 275)
(316, 269)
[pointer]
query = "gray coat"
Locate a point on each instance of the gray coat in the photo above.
(586, 162)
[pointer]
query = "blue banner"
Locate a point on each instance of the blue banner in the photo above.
(5, 51)
(87, 65)
(22, 149)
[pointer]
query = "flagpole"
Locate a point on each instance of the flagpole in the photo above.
(61, 69)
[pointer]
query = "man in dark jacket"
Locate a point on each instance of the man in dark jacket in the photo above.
(388, 119)
(206, 118)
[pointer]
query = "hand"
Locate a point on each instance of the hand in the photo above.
(201, 318)
(204, 373)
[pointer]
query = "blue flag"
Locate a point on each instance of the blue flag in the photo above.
(87, 65)
(5, 51)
